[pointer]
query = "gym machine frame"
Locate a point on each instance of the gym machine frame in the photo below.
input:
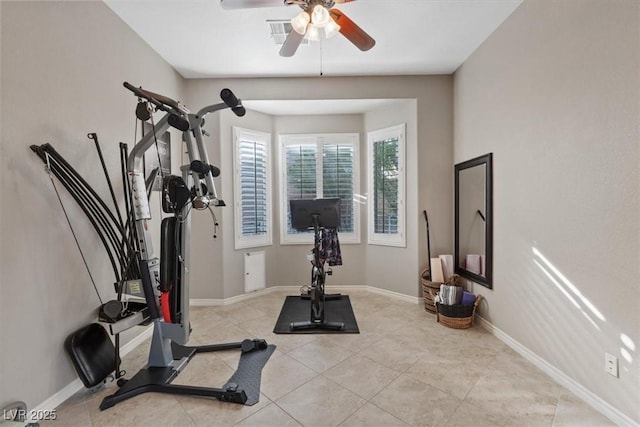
(168, 355)
(319, 214)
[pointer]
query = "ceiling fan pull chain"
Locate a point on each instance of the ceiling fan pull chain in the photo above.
(321, 74)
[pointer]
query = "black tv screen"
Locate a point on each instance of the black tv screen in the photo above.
(303, 212)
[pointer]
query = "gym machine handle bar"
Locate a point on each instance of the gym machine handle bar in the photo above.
(234, 103)
(167, 104)
(163, 103)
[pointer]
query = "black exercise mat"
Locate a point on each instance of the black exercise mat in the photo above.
(249, 373)
(297, 309)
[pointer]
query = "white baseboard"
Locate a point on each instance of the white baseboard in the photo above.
(77, 385)
(296, 289)
(57, 399)
(392, 294)
(204, 302)
(569, 383)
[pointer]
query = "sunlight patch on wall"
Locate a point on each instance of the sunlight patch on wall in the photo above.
(628, 347)
(568, 289)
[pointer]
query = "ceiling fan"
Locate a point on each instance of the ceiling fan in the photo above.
(317, 17)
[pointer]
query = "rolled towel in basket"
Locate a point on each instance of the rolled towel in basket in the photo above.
(449, 295)
(468, 298)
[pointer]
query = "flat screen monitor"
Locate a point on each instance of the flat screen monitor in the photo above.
(303, 212)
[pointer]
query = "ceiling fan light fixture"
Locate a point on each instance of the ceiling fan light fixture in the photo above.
(320, 16)
(300, 22)
(313, 33)
(331, 29)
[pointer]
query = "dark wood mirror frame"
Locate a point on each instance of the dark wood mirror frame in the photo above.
(486, 277)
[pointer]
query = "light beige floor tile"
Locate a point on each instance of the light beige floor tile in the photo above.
(230, 357)
(220, 333)
(270, 416)
(246, 310)
(204, 317)
(144, 409)
(76, 415)
(573, 412)
(320, 355)
(510, 395)
(287, 343)
(260, 327)
(435, 329)
(468, 415)
(211, 412)
(205, 370)
(271, 305)
(393, 354)
(524, 374)
(371, 415)
(453, 376)
(283, 374)
(363, 305)
(409, 313)
(320, 402)
(416, 403)
(351, 342)
(415, 337)
(361, 376)
(374, 323)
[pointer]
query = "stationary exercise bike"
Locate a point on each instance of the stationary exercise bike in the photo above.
(318, 214)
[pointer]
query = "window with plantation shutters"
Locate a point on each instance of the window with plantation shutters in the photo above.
(337, 180)
(320, 166)
(386, 181)
(252, 188)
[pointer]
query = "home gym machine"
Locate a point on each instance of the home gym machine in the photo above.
(165, 281)
(319, 214)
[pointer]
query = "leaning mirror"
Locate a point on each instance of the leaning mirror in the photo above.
(474, 220)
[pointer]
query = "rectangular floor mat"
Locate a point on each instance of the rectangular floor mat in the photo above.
(298, 309)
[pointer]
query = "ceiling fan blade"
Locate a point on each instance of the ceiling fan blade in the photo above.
(351, 31)
(249, 4)
(291, 44)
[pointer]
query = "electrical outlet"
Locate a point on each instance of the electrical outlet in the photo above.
(611, 364)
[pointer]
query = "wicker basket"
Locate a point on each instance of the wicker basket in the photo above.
(456, 316)
(427, 285)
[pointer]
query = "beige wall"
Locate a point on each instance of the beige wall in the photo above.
(63, 64)
(554, 94)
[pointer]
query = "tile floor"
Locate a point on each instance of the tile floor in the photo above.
(403, 369)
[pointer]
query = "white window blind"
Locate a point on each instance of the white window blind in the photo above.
(320, 166)
(252, 188)
(337, 180)
(386, 186)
